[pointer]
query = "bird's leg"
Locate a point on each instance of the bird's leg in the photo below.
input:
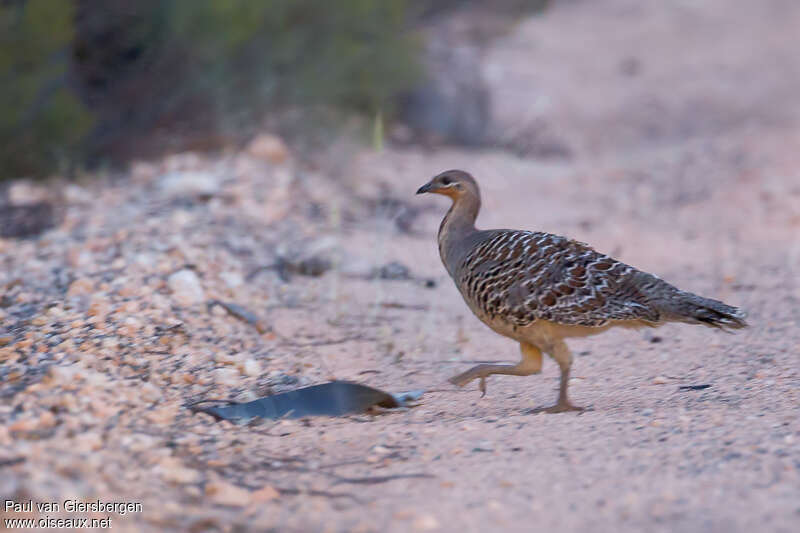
(563, 357)
(531, 363)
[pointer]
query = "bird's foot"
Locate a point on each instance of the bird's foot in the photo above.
(564, 408)
(465, 377)
(560, 407)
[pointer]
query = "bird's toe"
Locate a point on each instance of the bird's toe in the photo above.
(559, 408)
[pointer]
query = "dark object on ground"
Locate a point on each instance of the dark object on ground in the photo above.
(393, 271)
(336, 398)
(12, 461)
(242, 314)
(694, 387)
(313, 266)
(28, 220)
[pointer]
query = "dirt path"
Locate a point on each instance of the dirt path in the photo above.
(684, 127)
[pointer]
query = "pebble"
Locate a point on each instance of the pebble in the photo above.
(63, 375)
(660, 380)
(80, 287)
(426, 522)
(5, 436)
(264, 494)
(189, 184)
(269, 148)
(226, 376)
(232, 279)
(88, 442)
(251, 368)
(45, 421)
(186, 288)
(139, 442)
(24, 192)
(149, 392)
(224, 493)
(173, 471)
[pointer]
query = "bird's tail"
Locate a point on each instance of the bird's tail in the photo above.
(687, 307)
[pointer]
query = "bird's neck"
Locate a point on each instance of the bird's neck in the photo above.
(457, 225)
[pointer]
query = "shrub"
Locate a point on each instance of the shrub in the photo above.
(41, 120)
(90, 78)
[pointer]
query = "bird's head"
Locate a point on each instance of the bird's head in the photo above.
(452, 183)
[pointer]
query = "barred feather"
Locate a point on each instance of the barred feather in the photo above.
(524, 276)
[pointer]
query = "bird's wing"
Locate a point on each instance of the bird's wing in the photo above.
(525, 276)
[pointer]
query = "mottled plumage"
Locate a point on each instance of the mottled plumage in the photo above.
(524, 276)
(539, 288)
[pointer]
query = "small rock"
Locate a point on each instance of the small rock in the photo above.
(149, 392)
(426, 522)
(162, 417)
(88, 442)
(186, 288)
(268, 147)
(99, 308)
(45, 421)
(394, 271)
(75, 194)
(25, 425)
(660, 380)
(224, 493)
(232, 279)
(24, 192)
(264, 494)
(251, 368)
(5, 436)
(130, 327)
(63, 375)
(484, 446)
(139, 442)
(80, 287)
(173, 471)
(226, 376)
(190, 184)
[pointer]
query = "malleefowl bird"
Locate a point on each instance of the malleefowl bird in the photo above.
(539, 289)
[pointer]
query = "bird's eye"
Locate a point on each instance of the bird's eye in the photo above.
(446, 181)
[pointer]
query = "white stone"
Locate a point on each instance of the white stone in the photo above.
(190, 183)
(268, 147)
(251, 368)
(186, 288)
(226, 376)
(232, 279)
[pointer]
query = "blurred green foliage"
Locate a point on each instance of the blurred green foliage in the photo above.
(85, 80)
(352, 53)
(41, 119)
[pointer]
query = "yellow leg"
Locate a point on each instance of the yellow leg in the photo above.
(563, 357)
(531, 363)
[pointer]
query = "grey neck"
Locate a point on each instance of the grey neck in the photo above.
(458, 224)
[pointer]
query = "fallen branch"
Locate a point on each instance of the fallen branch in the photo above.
(379, 479)
(237, 311)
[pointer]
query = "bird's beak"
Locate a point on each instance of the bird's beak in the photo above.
(425, 188)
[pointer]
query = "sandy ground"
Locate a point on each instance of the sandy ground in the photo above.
(683, 126)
